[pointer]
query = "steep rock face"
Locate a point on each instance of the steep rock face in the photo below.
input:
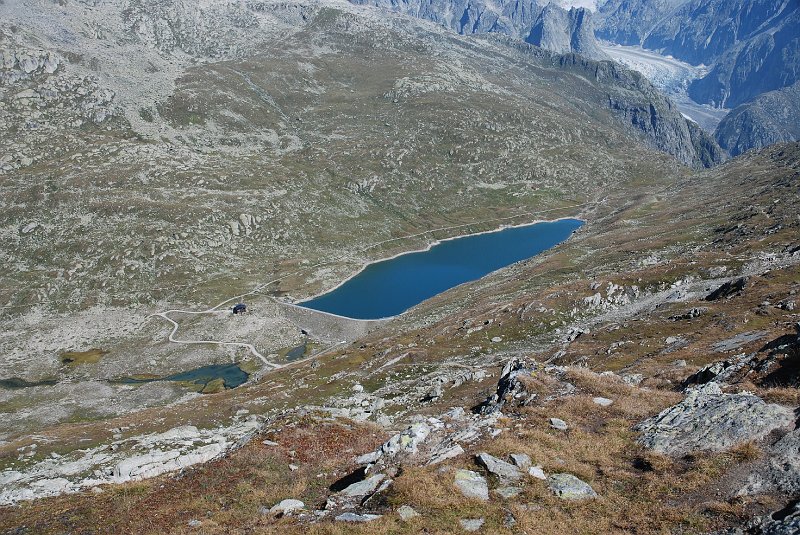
(754, 45)
(551, 27)
(768, 61)
(562, 31)
(701, 31)
(508, 17)
(648, 114)
(628, 22)
(773, 117)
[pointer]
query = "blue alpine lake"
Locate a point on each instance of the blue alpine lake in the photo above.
(392, 286)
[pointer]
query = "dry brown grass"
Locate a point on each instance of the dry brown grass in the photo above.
(782, 395)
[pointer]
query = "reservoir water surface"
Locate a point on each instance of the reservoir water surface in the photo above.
(392, 286)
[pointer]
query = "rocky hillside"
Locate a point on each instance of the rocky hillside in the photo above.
(567, 387)
(772, 117)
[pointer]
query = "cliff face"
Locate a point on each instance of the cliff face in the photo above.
(773, 117)
(642, 109)
(768, 61)
(628, 22)
(564, 31)
(467, 17)
(754, 45)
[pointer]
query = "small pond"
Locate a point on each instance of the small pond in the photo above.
(392, 286)
(230, 374)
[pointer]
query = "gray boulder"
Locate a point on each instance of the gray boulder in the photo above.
(406, 513)
(471, 524)
(498, 467)
(710, 420)
(569, 487)
(780, 470)
(511, 389)
(286, 507)
(363, 488)
(521, 460)
(603, 402)
(558, 423)
(472, 484)
(355, 517)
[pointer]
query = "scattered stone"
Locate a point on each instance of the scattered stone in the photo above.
(471, 524)
(537, 472)
(406, 513)
(508, 492)
(194, 523)
(269, 443)
(569, 487)
(691, 314)
(448, 453)
(633, 379)
(472, 484)
(603, 402)
(558, 423)
(710, 420)
(497, 339)
(286, 507)
(521, 460)
(354, 517)
(679, 363)
(407, 441)
(498, 467)
(456, 413)
(293, 467)
(365, 487)
(434, 393)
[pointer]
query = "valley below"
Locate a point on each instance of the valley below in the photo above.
(166, 161)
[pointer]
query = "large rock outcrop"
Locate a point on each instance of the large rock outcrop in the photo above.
(710, 420)
(780, 470)
(562, 32)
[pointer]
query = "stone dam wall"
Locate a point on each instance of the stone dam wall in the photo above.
(325, 326)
